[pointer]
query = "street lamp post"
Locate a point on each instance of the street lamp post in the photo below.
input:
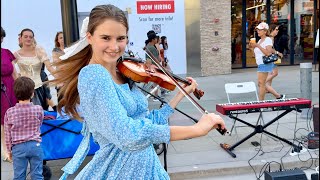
(69, 14)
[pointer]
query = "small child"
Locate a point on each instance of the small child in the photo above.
(22, 131)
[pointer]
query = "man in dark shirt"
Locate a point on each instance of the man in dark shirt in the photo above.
(150, 46)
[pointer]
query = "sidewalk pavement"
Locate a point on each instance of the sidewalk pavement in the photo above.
(203, 158)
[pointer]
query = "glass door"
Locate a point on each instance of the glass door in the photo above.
(304, 27)
(236, 33)
(256, 12)
(280, 15)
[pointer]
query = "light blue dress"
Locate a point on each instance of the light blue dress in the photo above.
(120, 122)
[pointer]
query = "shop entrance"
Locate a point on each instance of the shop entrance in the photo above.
(296, 35)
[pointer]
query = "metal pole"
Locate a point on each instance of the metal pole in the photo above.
(244, 34)
(306, 80)
(315, 28)
(306, 86)
(268, 11)
(292, 32)
(69, 14)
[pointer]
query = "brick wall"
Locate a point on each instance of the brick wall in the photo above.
(215, 62)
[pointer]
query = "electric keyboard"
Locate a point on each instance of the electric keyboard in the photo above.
(266, 105)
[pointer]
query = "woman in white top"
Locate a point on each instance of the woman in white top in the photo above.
(29, 60)
(263, 48)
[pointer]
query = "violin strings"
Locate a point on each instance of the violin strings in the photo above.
(202, 111)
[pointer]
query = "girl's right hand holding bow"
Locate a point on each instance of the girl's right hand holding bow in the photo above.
(208, 122)
(203, 127)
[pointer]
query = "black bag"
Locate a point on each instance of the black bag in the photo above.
(270, 59)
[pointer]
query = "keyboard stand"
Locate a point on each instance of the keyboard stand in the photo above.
(258, 129)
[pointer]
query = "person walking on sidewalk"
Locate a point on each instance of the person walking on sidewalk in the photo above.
(263, 48)
(115, 112)
(152, 48)
(22, 131)
(274, 29)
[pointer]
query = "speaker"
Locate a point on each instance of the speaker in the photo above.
(316, 118)
(313, 140)
(296, 174)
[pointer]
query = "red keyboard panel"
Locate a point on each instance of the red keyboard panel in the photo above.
(255, 106)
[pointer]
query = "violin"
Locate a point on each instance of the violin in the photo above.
(197, 105)
(137, 71)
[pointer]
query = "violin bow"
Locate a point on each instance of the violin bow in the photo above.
(193, 102)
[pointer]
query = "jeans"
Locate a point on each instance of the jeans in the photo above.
(265, 67)
(23, 153)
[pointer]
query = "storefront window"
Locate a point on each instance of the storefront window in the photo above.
(256, 12)
(299, 50)
(236, 33)
(303, 15)
(302, 29)
(280, 15)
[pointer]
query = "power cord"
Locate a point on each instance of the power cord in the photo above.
(301, 143)
(309, 121)
(266, 165)
(255, 173)
(291, 148)
(282, 145)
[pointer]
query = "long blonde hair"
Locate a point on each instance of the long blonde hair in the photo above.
(70, 68)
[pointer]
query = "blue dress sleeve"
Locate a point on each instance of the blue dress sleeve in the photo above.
(107, 117)
(161, 116)
(73, 165)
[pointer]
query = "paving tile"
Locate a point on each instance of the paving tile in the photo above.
(194, 145)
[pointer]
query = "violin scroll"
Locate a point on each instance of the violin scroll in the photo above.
(136, 70)
(198, 93)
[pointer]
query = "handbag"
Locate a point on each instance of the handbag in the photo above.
(269, 59)
(278, 61)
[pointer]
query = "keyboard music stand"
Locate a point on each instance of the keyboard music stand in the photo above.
(258, 129)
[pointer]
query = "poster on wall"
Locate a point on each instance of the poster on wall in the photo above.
(165, 17)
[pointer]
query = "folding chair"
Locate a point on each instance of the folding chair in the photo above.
(241, 89)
